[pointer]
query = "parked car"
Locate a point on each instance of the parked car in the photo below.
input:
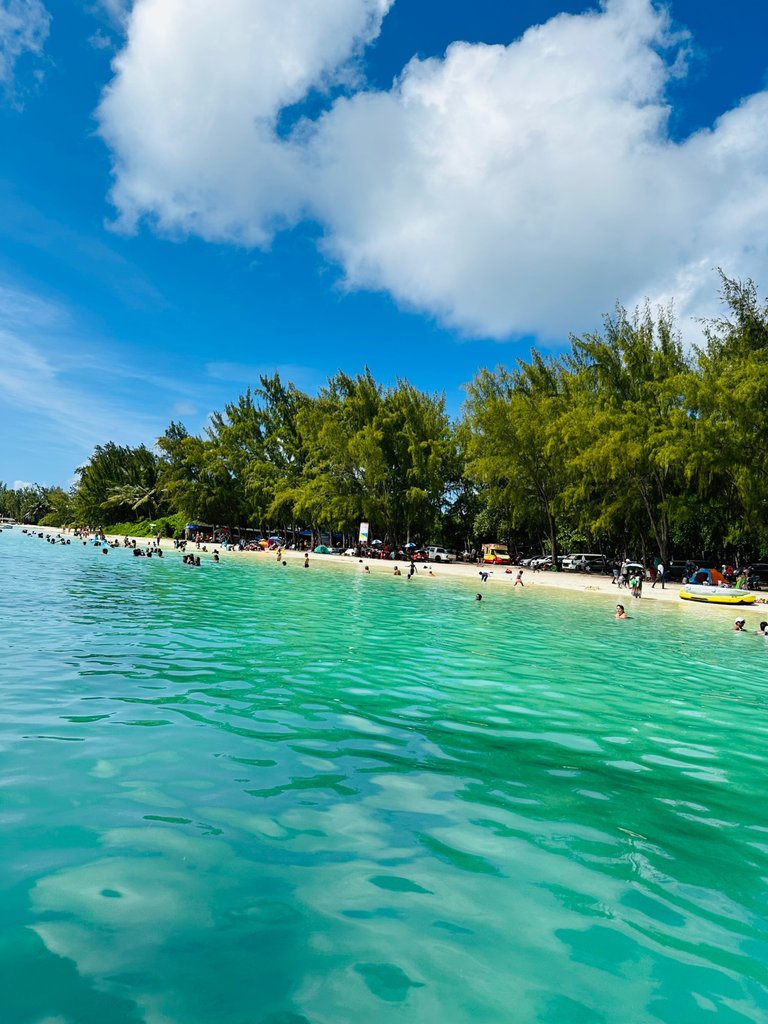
(582, 562)
(438, 554)
(419, 555)
(545, 562)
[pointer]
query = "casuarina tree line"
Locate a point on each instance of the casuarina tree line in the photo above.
(624, 443)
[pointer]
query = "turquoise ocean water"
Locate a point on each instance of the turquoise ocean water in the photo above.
(245, 794)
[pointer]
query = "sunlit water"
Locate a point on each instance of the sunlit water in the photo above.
(248, 794)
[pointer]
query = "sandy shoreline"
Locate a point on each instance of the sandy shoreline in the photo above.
(589, 585)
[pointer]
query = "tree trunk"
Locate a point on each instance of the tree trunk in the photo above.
(553, 538)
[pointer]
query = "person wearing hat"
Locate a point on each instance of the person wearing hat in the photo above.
(739, 626)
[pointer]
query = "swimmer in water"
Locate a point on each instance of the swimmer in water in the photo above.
(620, 613)
(478, 597)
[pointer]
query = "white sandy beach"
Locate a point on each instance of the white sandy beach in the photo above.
(589, 585)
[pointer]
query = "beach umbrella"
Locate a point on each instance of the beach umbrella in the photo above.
(321, 549)
(411, 545)
(379, 542)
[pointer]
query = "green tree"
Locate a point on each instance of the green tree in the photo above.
(114, 477)
(515, 451)
(727, 401)
(198, 479)
(626, 421)
(376, 454)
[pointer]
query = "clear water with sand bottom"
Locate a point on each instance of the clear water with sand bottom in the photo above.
(248, 794)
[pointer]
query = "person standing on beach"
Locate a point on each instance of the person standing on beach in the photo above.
(519, 579)
(624, 574)
(659, 576)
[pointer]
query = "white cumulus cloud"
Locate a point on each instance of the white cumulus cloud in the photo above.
(505, 190)
(23, 28)
(192, 113)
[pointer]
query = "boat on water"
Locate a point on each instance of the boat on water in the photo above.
(6, 523)
(710, 587)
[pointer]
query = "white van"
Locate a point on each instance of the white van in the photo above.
(436, 554)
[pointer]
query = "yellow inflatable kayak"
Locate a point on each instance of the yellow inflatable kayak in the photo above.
(716, 595)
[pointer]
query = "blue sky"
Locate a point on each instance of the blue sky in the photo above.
(192, 193)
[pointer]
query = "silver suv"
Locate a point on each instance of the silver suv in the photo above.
(437, 554)
(585, 563)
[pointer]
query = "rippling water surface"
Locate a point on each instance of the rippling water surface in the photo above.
(245, 794)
